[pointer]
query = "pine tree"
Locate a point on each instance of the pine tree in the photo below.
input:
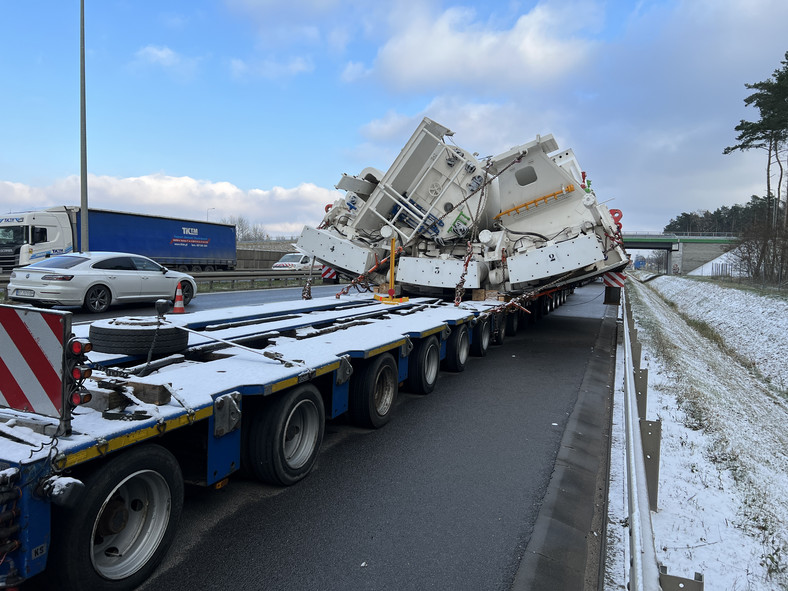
(770, 132)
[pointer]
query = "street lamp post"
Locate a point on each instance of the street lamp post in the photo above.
(83, 142)
(208, 211)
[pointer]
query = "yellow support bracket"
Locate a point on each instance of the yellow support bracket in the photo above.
(536, 202)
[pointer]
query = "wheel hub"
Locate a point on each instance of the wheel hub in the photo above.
(114, 518)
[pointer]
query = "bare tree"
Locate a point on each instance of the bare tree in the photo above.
(245, 231)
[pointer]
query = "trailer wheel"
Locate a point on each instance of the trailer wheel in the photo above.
(136, 336)
(373, 391)
(512, 323)
(457, 349)
(423, 366)
(125, 523)
(481, 337)
(499, 330)
(97, 299)
(282, 440)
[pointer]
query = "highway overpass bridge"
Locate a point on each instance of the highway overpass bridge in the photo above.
(686, 251)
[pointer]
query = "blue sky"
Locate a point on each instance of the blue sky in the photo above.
(255, 108)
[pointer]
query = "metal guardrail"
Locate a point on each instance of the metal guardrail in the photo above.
(679, 234)
(255, 278)
(643, 439)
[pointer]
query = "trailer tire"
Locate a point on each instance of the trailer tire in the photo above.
(110, 336)
(97, 299)
(458, 348)
(282, 439)
(373, 391)
(499, 331)
(481, 337)
(127, 518)
(423, 366)
(512, 323)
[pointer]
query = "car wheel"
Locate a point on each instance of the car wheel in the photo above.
(97, 299)
(187, 291)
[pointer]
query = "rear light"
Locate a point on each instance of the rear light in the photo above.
(80, 372)
(57, 277)
(80, 346)
(80, 397)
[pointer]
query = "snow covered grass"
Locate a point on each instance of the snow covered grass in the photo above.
(717, 381)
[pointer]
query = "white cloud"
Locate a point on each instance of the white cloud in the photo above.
(238, 68)
(281, 211)
(168, 60)
(271, 68)
(355, 71)
(163, 56)
(428, 51)
(488, 128)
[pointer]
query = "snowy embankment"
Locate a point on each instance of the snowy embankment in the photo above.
(718, 381)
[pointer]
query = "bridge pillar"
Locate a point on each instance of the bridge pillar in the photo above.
(675, 261)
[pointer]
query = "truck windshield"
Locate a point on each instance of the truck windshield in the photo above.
(12, 235)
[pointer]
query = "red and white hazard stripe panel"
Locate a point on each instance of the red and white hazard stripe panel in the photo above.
(31, 360)
(614, 279)
(328, 273)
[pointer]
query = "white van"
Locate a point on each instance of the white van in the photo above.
(296, 261)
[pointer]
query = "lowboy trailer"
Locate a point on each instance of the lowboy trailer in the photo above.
(101, 425)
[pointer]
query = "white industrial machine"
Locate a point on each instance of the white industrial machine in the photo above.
(514, 223)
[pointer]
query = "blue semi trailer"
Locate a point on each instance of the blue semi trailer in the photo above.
(185, 245)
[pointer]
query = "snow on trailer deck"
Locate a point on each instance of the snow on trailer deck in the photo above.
(297, 348)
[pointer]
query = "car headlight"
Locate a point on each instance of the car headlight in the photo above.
(57, 278)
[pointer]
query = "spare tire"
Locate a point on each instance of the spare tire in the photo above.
(136, 336)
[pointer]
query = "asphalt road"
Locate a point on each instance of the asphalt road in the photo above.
(210, 301)
(446, 496)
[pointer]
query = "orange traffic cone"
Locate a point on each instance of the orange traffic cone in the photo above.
(178, 308)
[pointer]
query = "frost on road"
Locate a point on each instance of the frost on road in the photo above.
(718, 380)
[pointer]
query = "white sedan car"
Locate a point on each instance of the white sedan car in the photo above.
(97, 280)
